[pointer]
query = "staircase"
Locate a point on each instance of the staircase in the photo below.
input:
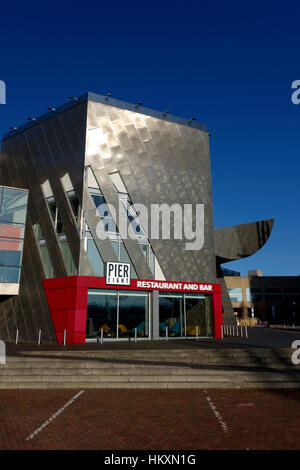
(152, 369)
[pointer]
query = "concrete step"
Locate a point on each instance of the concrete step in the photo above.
(138, 370)
(121, 378)
(195, 353)
(77, 385)
(151, 369)
(111, 363)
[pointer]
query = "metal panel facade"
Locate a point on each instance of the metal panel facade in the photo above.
(161, 159)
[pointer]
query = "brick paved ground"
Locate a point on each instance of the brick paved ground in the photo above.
(151, 419)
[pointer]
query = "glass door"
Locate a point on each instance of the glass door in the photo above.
(198, 314)
(133, 314)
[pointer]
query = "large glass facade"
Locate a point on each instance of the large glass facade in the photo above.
(13, 206)
(118, 313)
(171, 314)
(184, 314)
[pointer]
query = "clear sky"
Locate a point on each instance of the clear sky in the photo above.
(229, 65)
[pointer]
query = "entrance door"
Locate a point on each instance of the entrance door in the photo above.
(133, 314)
(171, 314)
(198, 314)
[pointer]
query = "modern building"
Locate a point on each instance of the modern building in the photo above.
(256, 298)
(85, 165)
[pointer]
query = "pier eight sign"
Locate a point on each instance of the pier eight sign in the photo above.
(118, 273)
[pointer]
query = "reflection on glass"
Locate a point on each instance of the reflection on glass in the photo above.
(57, 220)
(198, 314)
(133, 313)
(145, 250)
(10, 274)
(75, 207)
(13, 205)
(102, 313)
(10, 251)
(95, 258)
(38, 231)
(46, 261)
(124, 258)
(171, 315)
(68, 258)
(132, 217)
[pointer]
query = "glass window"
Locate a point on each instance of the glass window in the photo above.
(132, 217)
(56, 217)
(13, 205)
(68, 258)
(117, 313)
(235, 294)
(133, 313)
(171, 315)
(95, 258)
(124, 258)
(145, 250)
(75, 207)
(10, 274)
(102, 313)
(38, 231)
(10, 251)
(46, 261)
(253, 295)
(116, 245)
(104, 213)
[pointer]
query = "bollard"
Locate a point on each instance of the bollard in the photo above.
(135, 334)
(246, 332)
(222, 333)
(2, 353)
(40, 334)
(241, 331)
(101, 336)
(197, 337)
(65, 337)
(167, 332)
(17, 336)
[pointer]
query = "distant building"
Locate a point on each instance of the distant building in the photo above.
(275, 299)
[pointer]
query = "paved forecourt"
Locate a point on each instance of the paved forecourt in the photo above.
(150, 419)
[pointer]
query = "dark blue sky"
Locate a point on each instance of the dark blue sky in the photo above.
(228, 65)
